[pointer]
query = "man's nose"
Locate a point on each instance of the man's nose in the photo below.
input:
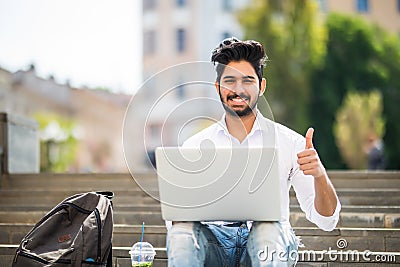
(238, 88)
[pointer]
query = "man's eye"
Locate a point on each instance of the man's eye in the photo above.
(248, 81)
(229, 81)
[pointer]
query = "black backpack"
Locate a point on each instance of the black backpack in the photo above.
(77, 232)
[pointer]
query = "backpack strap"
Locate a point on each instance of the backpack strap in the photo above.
(107, 194)
(109, 260)
(110, 196)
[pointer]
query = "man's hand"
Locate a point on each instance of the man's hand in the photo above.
(308, 159)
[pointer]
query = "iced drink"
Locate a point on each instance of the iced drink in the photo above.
(142, 254)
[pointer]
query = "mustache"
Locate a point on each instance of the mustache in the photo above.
(242, 96)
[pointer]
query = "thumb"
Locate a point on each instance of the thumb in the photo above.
(309, 137)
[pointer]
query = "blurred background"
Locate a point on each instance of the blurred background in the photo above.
(68, 70)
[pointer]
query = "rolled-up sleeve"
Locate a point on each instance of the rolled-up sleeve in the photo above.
(325, 223)
(304, 187)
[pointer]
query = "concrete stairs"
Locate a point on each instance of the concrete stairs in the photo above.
(370, 217)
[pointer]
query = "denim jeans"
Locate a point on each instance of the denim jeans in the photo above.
(196, 244)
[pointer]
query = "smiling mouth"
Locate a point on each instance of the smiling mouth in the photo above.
(238, 99)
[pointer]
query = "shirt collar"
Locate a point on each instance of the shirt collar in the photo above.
(222, 128)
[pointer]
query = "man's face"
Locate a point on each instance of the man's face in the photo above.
(240, 88)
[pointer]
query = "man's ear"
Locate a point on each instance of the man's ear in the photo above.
(217, 87)
(263, 86)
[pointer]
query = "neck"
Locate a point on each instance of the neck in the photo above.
(240, 127)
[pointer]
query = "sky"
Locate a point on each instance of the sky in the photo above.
(90, 43)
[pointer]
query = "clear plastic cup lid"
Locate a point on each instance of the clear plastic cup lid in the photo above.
(140, 248)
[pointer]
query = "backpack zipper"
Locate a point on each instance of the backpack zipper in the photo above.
(98, 222)
(98, 219)
(60, 207)
(38, 259)
(79, 208)
(60, 261)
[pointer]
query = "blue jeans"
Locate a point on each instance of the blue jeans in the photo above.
(266, 244)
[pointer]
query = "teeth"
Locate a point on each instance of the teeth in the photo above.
(238, 99)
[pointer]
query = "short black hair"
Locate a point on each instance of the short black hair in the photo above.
(233, 49)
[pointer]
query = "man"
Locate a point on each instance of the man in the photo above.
(375, 152)
(239, 83)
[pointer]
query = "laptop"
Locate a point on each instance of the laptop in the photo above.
(228, 184)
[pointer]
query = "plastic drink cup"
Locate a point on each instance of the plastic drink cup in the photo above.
(142, 254)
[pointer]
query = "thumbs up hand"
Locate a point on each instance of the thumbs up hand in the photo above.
(309, 136)
(308, 159)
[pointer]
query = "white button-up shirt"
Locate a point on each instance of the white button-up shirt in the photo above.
(288, 143)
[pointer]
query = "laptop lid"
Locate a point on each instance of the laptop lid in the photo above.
(229, 184)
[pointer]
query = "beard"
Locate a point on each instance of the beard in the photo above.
(249, 109)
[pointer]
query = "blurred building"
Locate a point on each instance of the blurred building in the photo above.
(384, 13)
(185, 30)
(97, 116)
(31, 94)
(178, 100)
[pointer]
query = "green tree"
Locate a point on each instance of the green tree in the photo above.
(295, 43)
(359, 118)
(58, 144)
(363, 56)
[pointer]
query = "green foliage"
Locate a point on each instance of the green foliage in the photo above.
(295, 43)
(362, 56)
(312, 67)
(359, 118)
(58, 145)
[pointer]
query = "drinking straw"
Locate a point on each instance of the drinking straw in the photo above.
(141, 240)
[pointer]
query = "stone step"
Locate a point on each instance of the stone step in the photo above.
(122, 207)
(365, 179)
(374, 239)
(120, 256)
(370, 200)
(157, 208)
(42, 196)
(347, 219)
(305, 258)
(341, 179)
(347, 196)
(85, 181)
(378, 241)
(354, 219)
(332, 255)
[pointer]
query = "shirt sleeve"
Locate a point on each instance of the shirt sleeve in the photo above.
(304, 187)
(168, 225)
